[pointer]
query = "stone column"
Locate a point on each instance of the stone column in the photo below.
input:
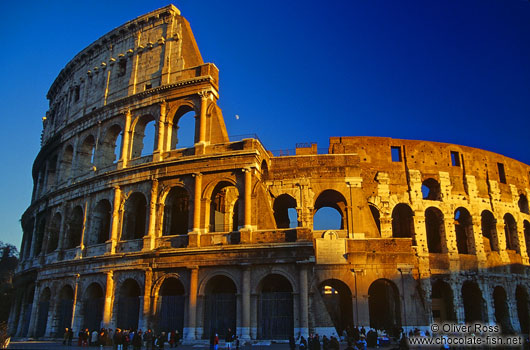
(248, 198)
(195, 235)
(77, 318)
(479, 241)
(304, 304)
(115, 225)
(107, 309)
(189, 330)
(34, 309)
(202, 120)
(501, 239)
(245, 301)
(157, 154)
(149, 239)
(33, 238)
(144, 320)
(125, 151)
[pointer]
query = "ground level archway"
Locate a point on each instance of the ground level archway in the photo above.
(275, 314)
(337, 298)
(384, 306)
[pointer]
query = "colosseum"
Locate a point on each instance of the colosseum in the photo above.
(131, 231)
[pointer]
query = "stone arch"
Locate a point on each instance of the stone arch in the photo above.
(510, 232)
(275, 308)
(66, 162)
(53, 232)
(282, 207)
(110, 148)
(526, 232)
(376, 215)
(264, 170)
(434, 225)
(101, 220)
(489, 229)
(523, 310)
(176, 212)
(430, 189)
(337, 298)
(42, 312)
(464, 231)
(74, 228)
(139, 126)
(219, 305)
(65, 308)
(474, 303)
(134, 217)
(170, 304)
(181, 120)
(442, 302)
(330, 199)
(93, 304)
(86, 154)
(523, 204)
(384, 306)
(274, 271)
(502, 314)
(128, 306)
(403, 221)
(224, 208)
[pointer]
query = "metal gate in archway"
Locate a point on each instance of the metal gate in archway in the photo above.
(276, 315)
(171, 315)
(128, 312)
(42, 318)
(65, 315)
(220, 314)
(93, 311)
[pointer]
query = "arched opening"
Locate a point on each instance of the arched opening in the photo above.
(376, 216)
(402, 221)
(41, 229)
(526, 228)
(74, 228)
(53, 233)
(110, 148)
(275, 313)
(384, 306)
(329, 210)
(510, 231)
(66, 162)
(171, 310)
(220, 306)
(144, 137)
(176, 212)
(521, 297)
(430, 189)
(502, 316)
(442, 302)
(135, 217)
(42, 312)
(264, 170)
(128, 305)
(26, 317)
(474, 305)
(434, 225)
(489, 229)
(464, 231)
(337, 298)
(101, 222)
(52, 171)
(65, 309)
(85, 155)
(523, 204)
(93, 304)
(183, 128)
(224, 208)
(282, 205)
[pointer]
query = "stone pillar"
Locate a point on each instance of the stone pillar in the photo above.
(109, 291)
(202, 120)
(62, 234)
(33, 239)
(115, 225)
(420, 233)
(304, 303)
(149, 239)
(245, 303)
(125, 149)
(157, 153)
(501, 239)
(189, 330)
(195, 235)
(479, 241)
(144, 320)
(458, 303)
(77, 318)
(248, 198)
(34, 309)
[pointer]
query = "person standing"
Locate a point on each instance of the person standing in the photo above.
(228, 339)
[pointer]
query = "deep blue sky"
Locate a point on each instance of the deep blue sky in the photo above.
(296, 71)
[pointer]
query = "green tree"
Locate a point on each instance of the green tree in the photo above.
(8, 264)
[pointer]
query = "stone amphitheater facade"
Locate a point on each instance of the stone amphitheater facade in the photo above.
(128, 232)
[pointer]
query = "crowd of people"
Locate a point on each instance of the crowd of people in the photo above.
(123, 339)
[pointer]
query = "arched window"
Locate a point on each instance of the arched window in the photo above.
(284, 209)
(135, 217)
(176, 212)
(85, 155)
(510, 231)
(402, 221)
(101, 222)
(110, 148)
(144, 137)
(53, 233)
(434, 224)
(183, 130)
(523, 204)
(489, 229)
(464, 231)
(74, 228)
(329, 211)
(224, 208)
(430, 189)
